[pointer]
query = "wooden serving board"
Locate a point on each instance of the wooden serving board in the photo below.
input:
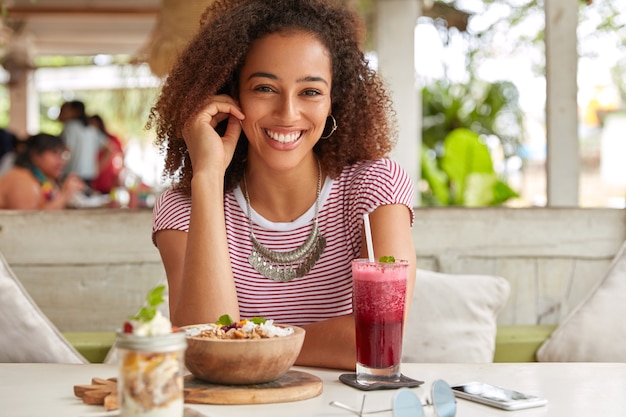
(293, 386)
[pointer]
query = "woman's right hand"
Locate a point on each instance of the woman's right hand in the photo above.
(207, 149)
(72, 185)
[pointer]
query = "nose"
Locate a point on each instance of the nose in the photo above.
(287, 109)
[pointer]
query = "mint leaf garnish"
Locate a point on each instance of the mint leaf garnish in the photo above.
(224, 320)
(387, 259)
(153, 299)
(155, 296)
(257, 320)
(145, 314)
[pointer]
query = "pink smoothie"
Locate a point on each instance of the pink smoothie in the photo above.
(379, 300)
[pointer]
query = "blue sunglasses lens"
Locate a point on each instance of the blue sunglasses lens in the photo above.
(443, 399)
(407, 404)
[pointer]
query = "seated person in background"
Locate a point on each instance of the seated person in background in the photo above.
(110, 159)
(33, 182)
(9, 143)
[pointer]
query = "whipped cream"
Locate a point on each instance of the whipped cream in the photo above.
(157, 326)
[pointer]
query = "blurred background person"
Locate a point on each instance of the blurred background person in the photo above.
(110, 159)
(9, 143)
(82, 139)
(33, 182)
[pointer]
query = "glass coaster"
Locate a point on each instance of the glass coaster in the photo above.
(403, 382)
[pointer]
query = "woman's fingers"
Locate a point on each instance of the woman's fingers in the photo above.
(206, 147)
(219, 109)
(231, 136)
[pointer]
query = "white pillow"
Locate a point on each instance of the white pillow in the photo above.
(26, 333)
(595, 331)
(452, 318)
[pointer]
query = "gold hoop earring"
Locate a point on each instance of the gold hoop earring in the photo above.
(332, 129)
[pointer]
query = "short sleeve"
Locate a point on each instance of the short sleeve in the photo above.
(382, 182)
(171, 211)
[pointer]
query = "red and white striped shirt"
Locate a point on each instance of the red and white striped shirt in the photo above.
(326, 291)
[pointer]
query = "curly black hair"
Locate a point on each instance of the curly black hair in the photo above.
(212, 60)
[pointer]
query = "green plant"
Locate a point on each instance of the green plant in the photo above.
(464, 174)
(456, 163)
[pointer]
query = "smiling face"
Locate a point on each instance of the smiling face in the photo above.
(284, 91)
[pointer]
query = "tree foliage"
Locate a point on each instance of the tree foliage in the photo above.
(500, 27)
(456, 162)
(496, 29)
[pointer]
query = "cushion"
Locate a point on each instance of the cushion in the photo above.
(27, 334)
(595, 330)
(453, 317)
(94, 346)
(519, 342)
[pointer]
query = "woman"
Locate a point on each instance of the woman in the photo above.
(110, 159)
(32, 184)
(275, 131)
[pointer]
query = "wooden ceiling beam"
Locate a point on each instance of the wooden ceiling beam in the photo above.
(30, 11)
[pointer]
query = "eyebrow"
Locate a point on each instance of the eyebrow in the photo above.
(308, 78)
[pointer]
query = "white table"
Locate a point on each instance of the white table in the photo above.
(572, 389)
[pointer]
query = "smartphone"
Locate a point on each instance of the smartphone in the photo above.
(498, 397)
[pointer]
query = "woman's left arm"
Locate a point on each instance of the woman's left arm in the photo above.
(331, 343)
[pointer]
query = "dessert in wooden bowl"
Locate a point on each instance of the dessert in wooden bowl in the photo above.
(250, 354)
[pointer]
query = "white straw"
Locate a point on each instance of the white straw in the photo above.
(368, 237)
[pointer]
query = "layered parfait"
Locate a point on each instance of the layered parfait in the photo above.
(151, 363)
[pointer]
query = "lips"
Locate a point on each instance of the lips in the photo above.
(284, 137)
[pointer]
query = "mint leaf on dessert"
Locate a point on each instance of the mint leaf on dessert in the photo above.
(224, 320)
(145, 314)
(257, 320)
(387, 259)
(153, 299)
(155, 296)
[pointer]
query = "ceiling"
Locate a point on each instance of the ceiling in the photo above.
(82, 27)
(92, 27)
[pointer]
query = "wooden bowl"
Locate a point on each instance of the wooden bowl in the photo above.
(242, 361)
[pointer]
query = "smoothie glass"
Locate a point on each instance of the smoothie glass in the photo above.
(378, 303)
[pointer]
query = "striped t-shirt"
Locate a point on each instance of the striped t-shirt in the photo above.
(326, 291)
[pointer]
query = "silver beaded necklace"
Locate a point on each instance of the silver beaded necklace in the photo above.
(285, 266)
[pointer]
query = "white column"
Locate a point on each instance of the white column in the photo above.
(395, 33)
(562, 160)
(24, 109)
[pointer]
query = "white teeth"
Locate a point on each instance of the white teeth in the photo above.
(282, 138)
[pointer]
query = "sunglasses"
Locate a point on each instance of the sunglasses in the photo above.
(406, 403)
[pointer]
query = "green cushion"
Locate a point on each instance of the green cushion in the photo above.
(513, 343)
(520, 343)
(94, 346)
